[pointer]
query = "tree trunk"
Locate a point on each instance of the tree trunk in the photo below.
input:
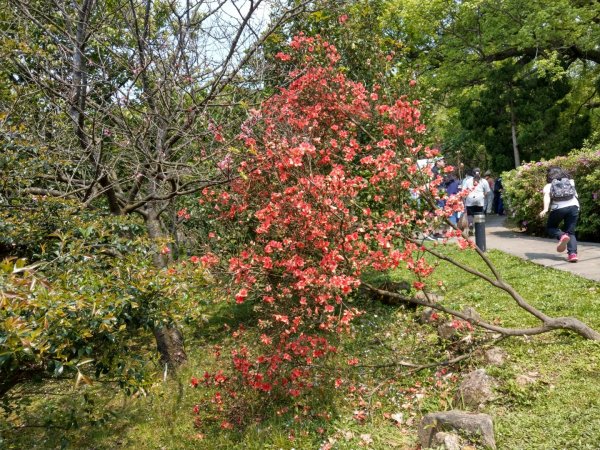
(170, 345)
(513, 131)
(169, 338)
(79, 94)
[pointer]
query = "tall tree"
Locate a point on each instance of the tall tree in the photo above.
(121, 98)
(548, 51)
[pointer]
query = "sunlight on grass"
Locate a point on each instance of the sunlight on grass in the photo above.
(379, 403)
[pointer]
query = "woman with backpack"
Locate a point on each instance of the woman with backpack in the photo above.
(560, 198)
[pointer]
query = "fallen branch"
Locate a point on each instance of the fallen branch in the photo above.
(418, 367)
(548, 323)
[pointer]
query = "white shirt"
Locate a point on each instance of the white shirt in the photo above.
(561, 203)
(478, 191)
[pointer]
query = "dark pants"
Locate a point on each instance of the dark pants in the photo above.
(498, 205)
(471, 211)
(570, 214)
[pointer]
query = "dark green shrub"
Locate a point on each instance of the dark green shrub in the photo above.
(86, 299)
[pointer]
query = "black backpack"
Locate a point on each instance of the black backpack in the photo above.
(561, 189)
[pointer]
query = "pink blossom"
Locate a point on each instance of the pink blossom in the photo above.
(226, 163)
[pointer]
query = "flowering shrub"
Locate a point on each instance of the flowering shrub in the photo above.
(328, 191)
(524, 199)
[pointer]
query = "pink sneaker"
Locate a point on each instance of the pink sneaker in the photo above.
(572, 257)
(562, 244)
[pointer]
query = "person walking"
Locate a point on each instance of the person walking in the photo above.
(498, 206)
(451, 186)
(489, 198)
(478, 188)
(560, 199)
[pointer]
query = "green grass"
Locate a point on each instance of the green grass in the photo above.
(560, 410)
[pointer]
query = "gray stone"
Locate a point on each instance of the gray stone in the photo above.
(447, 441)
(475, 389)
(428, 297)
(495, 356)
(447, 332)
(528, 378)
(425, 316)
(471, 313)
(475, 427)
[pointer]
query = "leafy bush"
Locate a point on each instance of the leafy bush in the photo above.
(45, 329)
(524, 199)
(88, 302)
(98, 319)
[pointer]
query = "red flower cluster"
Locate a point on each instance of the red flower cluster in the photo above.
(330, 187)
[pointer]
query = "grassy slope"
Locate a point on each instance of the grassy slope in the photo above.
(560, 410)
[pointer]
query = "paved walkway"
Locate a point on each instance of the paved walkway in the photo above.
(541, 250)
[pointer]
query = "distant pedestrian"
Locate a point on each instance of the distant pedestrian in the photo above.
(489, 198)
(498, 206)
(438, 166)
(478, 188)
(560, 198)
(451, 186)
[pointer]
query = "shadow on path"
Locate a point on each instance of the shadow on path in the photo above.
(555, 257)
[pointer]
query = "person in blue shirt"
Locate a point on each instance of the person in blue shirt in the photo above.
(452, 186)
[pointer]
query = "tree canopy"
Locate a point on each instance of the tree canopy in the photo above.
(494, 67)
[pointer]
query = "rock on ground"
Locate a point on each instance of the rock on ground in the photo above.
(528, 378)
(471, 313)
(428, 297)
(475, 427)
(447, 331)
(495, 356)
(447, 441)
(427, 316)
(475, 389)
